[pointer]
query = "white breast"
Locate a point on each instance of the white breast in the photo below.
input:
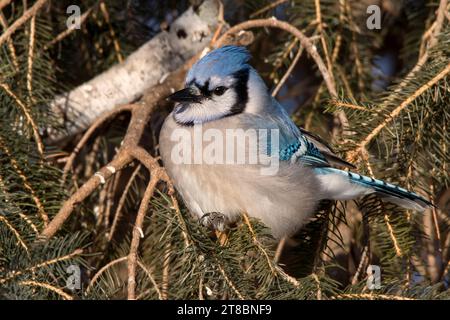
(282, 201)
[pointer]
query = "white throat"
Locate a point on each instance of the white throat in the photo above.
(259, 98)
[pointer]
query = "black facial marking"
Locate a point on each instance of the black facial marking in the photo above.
(241, 89)
(220, 90)
(204, 89)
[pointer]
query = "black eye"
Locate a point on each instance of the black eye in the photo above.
(220, 90)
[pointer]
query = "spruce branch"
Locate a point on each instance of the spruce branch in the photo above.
(369, 296)
(32, 269)
(27, 112)
(102, 270)
(275, 269)
(361, 146)
(28, 14)
(15, 164)
(177, 258)
(47, 286)
(11, 46)
(16, 234)
(31, 46)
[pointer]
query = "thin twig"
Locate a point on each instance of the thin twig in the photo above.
(30, 57)
(152, 280)
(25, 181)
(166, 270)
(370, 296)
(24, 18)
(11, 47)
(103, 269)
(267, 8)
(48, 287)
(137, 233)
(16, 234)
(319, 290)
(353, 154)
(279, 250)
(322, 37)
(275, 269)
(440, 17)
(288, 72)
(305, 42)
(87, 135)
(105, 13)
(121, 203)
(28, 116)
(228, 280)
(70, 29)
(361, 265)
(42, 264)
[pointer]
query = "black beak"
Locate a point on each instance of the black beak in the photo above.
(184, 95)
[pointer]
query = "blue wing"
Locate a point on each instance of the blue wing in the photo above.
(295, 145)
(304, 151)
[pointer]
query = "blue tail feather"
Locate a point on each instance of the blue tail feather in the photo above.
(391, 192)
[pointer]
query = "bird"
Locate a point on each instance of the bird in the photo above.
(223, 93)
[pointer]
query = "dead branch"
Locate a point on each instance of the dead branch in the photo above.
(129, 151)
(87, 135)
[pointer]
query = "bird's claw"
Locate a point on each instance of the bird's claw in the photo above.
(214, 221)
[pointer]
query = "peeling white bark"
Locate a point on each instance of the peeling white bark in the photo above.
(125, 82)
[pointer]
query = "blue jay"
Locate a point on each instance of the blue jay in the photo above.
(222, 91)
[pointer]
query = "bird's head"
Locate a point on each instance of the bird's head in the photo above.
(219, 85)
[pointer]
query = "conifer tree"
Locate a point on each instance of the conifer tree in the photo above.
(88, 212)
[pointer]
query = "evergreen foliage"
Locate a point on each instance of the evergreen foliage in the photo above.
(398, 130)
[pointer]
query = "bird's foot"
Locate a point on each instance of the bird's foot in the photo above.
(214, 221)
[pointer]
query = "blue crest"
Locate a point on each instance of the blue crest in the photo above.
(220, 62)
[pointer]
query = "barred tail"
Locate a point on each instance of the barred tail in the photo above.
(344, 185)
